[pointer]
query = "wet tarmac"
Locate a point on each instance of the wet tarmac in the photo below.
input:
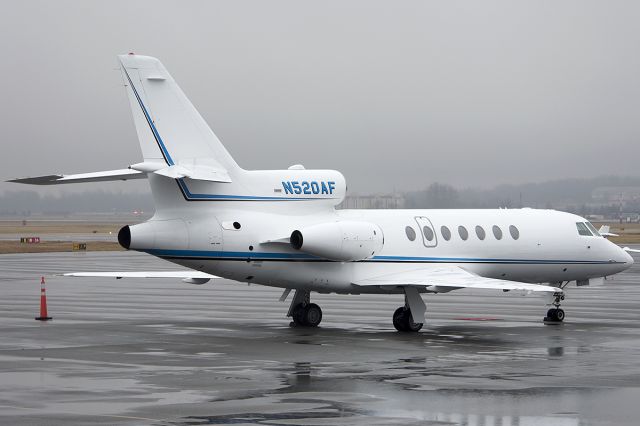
(161, 352)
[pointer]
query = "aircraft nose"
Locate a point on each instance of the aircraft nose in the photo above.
(628, 259)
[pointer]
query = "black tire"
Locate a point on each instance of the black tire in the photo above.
(312, 315)
(298, 314)
(551, 315)
(413, 326)
(559, 315)
(399, 319)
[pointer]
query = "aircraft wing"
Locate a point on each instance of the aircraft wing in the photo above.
(108, 175)
(192, 277)
(442, 279)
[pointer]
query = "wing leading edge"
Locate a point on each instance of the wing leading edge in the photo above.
(105, 176)
(443, 279)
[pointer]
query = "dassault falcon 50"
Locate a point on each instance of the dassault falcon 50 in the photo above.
(281, 228)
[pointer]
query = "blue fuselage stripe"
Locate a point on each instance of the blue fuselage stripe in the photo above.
(226, 197)
(223, 255)
(156, 135)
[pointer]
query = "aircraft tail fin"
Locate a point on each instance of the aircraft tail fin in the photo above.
(170, 129)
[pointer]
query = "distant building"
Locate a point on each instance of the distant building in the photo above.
(629, 217)
(616, 194)
(378, 201)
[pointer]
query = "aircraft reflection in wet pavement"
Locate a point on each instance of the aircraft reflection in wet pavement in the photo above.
(281, 228)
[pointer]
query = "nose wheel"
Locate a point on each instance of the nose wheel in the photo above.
(555, 315)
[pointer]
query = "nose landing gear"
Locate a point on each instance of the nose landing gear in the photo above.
(555, 315)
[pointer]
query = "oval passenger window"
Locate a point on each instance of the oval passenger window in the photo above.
(497, 232)
(428, 233)
(464, 234)
(515, 234)
(446, 234)
(411, 234)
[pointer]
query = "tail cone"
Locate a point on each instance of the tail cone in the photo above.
(43, 303)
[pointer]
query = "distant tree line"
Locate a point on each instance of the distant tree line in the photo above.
(26, 203)
(574, 195)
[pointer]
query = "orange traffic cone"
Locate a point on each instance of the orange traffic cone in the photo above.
(43, 303)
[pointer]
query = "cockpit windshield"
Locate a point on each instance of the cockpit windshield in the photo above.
(593, 229)
(583, 230)
(586, 229)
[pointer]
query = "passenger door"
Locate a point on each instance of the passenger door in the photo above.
(429, 237)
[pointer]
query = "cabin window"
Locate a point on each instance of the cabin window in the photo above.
(515, 234)
(411, 234)
(480, 232)
(583, 230)
(462, 231)
(593, 229)
(428, 233)
(497, 232)
(446, 234)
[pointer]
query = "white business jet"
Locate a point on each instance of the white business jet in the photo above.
(281, 228)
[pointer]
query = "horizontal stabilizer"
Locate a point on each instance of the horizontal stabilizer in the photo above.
(109, 175)
(191, 277)
(196, 173)
(604, 231)
(442, 279)
(630, 250)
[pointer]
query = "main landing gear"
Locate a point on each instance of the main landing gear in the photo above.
(403, 321)
(414, 309)
(302, 311)
(555, 315)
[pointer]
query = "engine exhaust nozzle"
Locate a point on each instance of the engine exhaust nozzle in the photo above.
(124, 237)
(296, 239)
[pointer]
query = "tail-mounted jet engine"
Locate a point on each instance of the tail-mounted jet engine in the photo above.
(343, 241)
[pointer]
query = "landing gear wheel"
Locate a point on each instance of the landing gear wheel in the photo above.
(312, 315)
(298, 315)
(399, 320)
(414, 326)
(554, 315)
(402, 320)
(307, 316)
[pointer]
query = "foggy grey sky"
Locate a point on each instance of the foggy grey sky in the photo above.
(393, 94)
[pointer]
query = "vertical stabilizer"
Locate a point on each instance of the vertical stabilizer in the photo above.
(170, 129)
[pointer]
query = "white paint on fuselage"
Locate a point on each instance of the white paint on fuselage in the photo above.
(548, 250)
